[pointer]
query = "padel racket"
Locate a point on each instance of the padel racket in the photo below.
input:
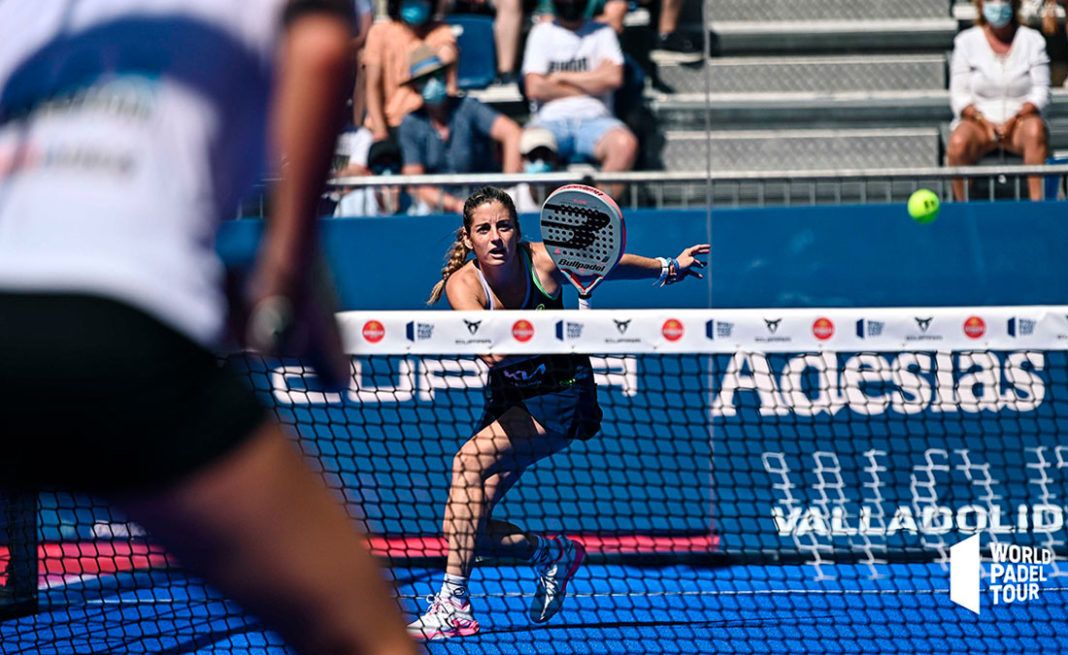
(584, 233)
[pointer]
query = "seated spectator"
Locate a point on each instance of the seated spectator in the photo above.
(383, 158)
(999, 85)
(451, 134)
(507, 28)
(385, 62)
(537, 146)
(571, 67)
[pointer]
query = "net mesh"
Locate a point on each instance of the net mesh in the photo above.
(791, 480)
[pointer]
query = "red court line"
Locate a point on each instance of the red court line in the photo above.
(72, 561)
(69, 561)
(401, 547)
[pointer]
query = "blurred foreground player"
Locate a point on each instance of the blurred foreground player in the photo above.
(126, 129)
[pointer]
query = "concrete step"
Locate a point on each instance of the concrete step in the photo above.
(785, 10)
(854, 109)
(799, 109)
(827, 74)
(779, 149)
(833, 36)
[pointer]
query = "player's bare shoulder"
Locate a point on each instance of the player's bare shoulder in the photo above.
(463, 289)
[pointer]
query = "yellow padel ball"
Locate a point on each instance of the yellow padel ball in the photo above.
(924, 206)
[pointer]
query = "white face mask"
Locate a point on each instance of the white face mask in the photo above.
(997, 12)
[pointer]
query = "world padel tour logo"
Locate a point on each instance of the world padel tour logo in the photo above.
(1017, 573)
(568, 330)
(523, 330)
(374, 331)
(416, 331)
(867, 328)
(1021, 327)
(672, 329)
(719, 329)
(823, 328)
(974, 327)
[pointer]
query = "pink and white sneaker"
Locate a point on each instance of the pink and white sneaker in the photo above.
(444, 619)
(553, 578)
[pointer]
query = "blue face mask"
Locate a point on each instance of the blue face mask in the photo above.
(537, 166)
(998, 14)
(434, 91)
(415, 13)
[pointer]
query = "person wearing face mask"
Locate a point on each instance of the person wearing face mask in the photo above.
(451, 134)
(383, 158)
(537, 146)
(998, 88)
(571, 67)
(385, 61)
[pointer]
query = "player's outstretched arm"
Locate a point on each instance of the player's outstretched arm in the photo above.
(666, 270)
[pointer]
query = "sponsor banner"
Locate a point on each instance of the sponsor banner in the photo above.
(864, 454)
(706, 331)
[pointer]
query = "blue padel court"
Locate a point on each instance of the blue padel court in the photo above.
(611, 609)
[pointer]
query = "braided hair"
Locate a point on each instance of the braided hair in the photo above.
(458, 253)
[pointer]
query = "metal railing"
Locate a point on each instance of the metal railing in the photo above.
(690, 189)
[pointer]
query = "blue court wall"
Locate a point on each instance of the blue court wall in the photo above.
(841, 256)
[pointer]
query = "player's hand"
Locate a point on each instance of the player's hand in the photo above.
(689, 264)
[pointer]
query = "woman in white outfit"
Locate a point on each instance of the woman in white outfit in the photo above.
(999, 87)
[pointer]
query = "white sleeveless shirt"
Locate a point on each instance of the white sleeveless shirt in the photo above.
(128, 129)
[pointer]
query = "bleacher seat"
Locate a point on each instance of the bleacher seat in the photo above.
(478, 51)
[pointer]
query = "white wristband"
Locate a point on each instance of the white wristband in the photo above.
(665, 268)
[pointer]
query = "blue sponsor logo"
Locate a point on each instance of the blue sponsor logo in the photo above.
(1021, 327)
(418, 331)
(718, 329)
(568, 330)
(866, 328)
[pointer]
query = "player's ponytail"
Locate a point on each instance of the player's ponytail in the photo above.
(457, 255)
(455, 258)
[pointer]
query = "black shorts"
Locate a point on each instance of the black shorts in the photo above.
(98, 396)
(564, 402)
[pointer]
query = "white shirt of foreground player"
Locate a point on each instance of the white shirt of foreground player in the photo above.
(123, 178)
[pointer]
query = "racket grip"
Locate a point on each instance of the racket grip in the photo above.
(584, 301)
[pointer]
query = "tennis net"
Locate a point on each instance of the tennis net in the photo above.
(797, 480)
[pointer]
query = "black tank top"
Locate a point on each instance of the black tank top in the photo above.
(529, 376)
(536, 298)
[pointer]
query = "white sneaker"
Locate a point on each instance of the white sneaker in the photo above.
(444, 619)
(553, 578)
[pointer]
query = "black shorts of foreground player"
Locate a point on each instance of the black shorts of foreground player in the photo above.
(535, 407)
